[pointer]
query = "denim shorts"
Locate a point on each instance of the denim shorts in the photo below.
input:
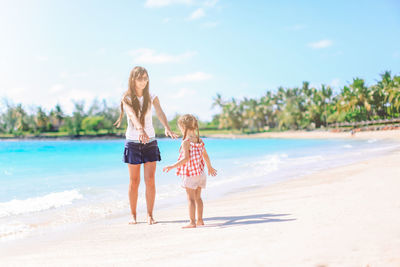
(138, 153)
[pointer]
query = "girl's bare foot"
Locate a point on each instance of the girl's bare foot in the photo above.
(190, 225)
(200, 222)
(134, 220)
(150, 220)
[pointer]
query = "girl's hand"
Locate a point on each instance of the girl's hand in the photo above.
(143, 137)
(212, 171)
(167, 169)
(171, 134)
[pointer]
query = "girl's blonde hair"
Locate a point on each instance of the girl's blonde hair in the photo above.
(130, 98)
(189, 122)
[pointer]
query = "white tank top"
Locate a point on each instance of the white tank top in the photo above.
(132, 133)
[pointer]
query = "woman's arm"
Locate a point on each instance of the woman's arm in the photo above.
(163, 119)
(186, 157)
(143, 137)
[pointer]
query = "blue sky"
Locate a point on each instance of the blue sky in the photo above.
(57, 51)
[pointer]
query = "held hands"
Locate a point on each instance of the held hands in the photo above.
(143, 137)
(170, 133)
(167, 169)
(212, 171)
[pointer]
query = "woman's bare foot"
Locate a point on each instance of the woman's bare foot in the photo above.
(150, 220)
(200, 222)
(134, 220)
(190, 225)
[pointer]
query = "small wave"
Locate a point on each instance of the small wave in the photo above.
(348, 146)
(52, 200)
(13, 229)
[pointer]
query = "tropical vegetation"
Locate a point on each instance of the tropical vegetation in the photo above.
(305, 107)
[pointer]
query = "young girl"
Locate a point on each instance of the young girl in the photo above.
(141, 146)
(190, 167)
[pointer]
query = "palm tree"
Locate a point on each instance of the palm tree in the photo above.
(9, 118)
(56, 117)
(394, 96)
(217, 101)
(380, 93)
(268, 107)
(42, 120)
(77, 117)
(356, 100)
(22, 118)
(250, 116)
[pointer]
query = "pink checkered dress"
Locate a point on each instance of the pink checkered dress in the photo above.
(195, 165)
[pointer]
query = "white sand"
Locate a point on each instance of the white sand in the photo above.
(388, 134)
(347, 216)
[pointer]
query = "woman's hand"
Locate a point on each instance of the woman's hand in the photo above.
(143, 137)
(212, 171)
(167, 169)
(170, 133)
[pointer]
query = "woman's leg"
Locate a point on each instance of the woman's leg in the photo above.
(149, 179)
(191, 195)
(199, 206)
(134, 180)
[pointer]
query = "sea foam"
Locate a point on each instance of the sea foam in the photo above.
(49, 201)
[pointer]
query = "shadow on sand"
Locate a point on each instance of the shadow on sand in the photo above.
(228, 221)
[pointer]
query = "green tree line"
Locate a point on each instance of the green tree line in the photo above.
(99, 118)
(307, 107)
(295, 108)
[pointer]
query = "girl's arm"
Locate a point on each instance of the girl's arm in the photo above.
(211, 170)
(185, 159)
(143, 137)
(163, 119)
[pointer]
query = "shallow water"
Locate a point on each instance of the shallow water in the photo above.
(48, 184)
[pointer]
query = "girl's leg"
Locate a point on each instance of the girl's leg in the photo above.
(191, 195)
(199, 206)
(134, 180)
(149, 179)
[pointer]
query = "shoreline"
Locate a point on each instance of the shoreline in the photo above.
(341, 216)
(385, 134)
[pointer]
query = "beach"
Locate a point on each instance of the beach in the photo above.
(342, 216)
(387, 134)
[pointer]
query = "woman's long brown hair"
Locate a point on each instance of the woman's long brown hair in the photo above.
(130, 98)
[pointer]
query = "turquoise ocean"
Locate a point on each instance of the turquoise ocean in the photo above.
(50, 185)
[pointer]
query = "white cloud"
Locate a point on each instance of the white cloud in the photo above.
(66, 75)
(41, 58)
(149, 56)
(198, 13)
(17, 93)
(321, 44)
(57, 88)
(396, 54)
(182, 93)
(191, 77)
(59, 93)
(163, 3)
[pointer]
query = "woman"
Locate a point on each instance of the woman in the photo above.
(141, 146)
